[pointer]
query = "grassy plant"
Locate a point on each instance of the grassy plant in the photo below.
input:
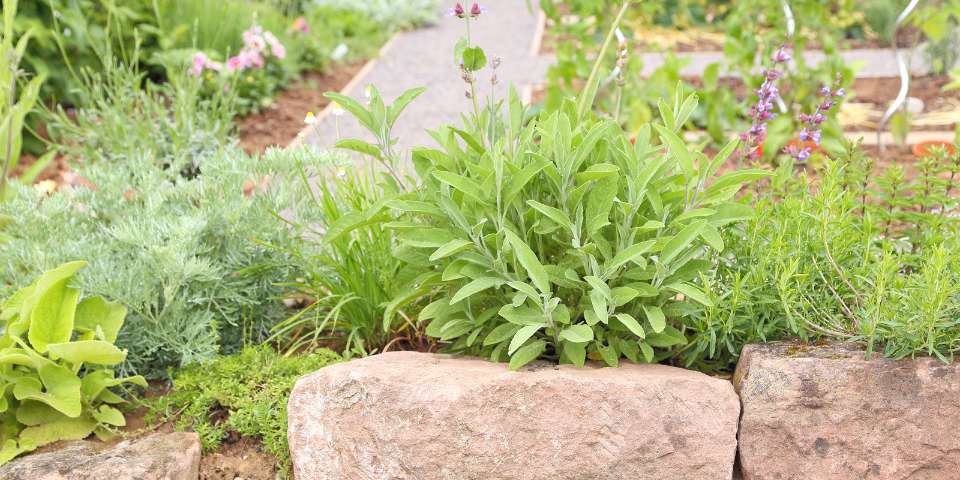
(350, 278)
(251, 388)
(17, 98)
(846, 258)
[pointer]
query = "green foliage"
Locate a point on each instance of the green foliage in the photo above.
(560, 238)
(862, 255)
(69, 36)
(55, 354)
(350, 278)
(394, 14)
(179, 225)
(251, 387)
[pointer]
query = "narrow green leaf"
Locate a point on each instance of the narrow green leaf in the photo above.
(656, 318)
(450, 248)
(475, 286)
(529, 261)
(577, 333)
(629, 254)
(521, 337)
(527, 354)
(552, 213)
(690, 292)
(502, 333)
(680, 241)
(631, 323)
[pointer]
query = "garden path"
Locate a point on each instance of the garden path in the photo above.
(424, 57)
(870, 63)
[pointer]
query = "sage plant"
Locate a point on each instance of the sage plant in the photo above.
(762, 111)
(812, 130)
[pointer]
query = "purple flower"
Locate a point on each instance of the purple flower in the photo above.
(457, 11)
(811, 131)
(782, 55)
(476, 10)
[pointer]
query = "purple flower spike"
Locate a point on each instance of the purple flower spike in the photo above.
(811, 131)
(782, 55)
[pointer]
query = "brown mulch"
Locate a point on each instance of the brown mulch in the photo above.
(280, 123)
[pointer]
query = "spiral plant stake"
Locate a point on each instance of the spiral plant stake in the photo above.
(904, 75)
(791, 27)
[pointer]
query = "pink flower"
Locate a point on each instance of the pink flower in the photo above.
(457, 11)
(253, 38)
(235, 63)
(252, 58)
(476, 10)
(199, 62)
(276, 48)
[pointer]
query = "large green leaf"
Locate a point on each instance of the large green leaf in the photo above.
(656, 318)
(87, 351)
(65, 429)
(631, 323)
(51, 320)
(577, 333)
(60, 388)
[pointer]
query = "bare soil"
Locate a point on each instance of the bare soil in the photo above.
(280, 123)
(240, 458)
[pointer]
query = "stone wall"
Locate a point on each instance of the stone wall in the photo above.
(808, 413)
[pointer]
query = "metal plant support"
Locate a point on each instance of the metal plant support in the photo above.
(904, 75)
(791, 27)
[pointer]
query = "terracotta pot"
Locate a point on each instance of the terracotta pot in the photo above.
(924, 149)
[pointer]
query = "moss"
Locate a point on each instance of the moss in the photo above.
(245, 393)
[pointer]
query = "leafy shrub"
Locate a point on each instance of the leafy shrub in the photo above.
(180, 226)
(559, 238)
(70, 36)
(54, 354)
(173, 123)
(252, 387)
(860, 254)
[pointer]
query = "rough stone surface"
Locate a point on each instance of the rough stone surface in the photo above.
(406, 415)
(160, 456)
(826, 412)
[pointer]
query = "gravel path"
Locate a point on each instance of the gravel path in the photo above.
(870, 63)
(424, 57)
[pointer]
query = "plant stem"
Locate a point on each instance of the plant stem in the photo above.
(590, 91)
(8, 159)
